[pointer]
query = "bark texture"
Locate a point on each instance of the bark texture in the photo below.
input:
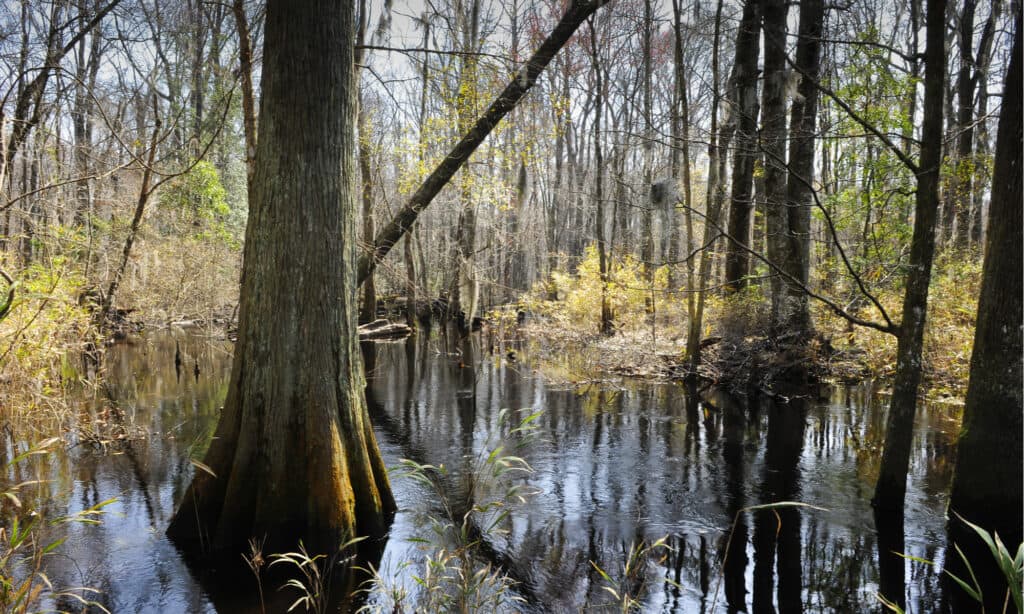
(294, 455)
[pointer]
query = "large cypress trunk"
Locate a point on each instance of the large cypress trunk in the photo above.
(987, 486)
(294, 455)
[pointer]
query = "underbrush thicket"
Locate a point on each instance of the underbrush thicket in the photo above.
(42, 340)
(566, 309)
(184, 265)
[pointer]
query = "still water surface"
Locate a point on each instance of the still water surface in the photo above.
(615, 464)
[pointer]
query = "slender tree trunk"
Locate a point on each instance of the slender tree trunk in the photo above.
(915, 74)
(85, 84)
(607, 326)
(294, 455)
(773, 143)
(982, 149)
(197, 92)
(963, 175)
(145, 191)
(414, 274)
(368, 306)
(737, 259)
(987, 485)
(687, 200)
(559, 201)
(714, 198)
(248, 95)
(467, 287)
(801, 163)
(892, 479)
(677, 145)
(647, 242)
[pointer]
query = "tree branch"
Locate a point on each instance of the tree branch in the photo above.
(899, 153)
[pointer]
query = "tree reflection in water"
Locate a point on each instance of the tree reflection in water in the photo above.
(617, 462)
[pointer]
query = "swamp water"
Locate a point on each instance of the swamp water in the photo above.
(615, 464)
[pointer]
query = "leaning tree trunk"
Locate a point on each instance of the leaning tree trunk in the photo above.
(294, 456)
(517, 87)
(987, 485)
(899, 430)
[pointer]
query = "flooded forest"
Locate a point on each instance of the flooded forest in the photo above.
(539, 306)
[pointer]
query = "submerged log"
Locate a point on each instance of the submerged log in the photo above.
(383, 329)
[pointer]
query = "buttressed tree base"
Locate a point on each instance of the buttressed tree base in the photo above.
(294, 455)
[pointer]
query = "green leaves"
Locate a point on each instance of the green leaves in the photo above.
(1011, 565)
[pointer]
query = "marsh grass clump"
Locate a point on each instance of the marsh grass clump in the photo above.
(627, 585)
(313, 574)
(455, 575)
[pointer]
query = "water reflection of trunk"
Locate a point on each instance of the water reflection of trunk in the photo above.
(411, 378)
(647, 401)
(465, 399)
(143, 481)
(691, 437)
(891, 566)
(735, 568)
(369, 351)
(780, 529)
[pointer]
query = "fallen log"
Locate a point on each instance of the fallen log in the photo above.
(383, 329)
